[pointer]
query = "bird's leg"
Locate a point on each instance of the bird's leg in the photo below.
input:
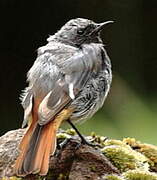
(83, 140)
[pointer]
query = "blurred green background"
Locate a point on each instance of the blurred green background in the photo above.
(131, 107)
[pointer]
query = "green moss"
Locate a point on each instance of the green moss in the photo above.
(71, 132)
(150, 151)
(139, 175)
(113, 177)
(123, 157)
(62, 177)
(66, 134)
(98, 139)
(93, 134)
(11, 178)
(63, 136)
(109, 142)
(133, 175)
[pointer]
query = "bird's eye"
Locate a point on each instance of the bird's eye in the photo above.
(91, 26)
(80, 31)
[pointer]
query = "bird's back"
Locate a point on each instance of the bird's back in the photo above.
(46, 70)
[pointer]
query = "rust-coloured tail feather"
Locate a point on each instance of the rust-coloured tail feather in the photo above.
(35, 158)
(32, 149)
(41, 151)
(37, 145)
(50, 148)
(44, 148)
(23, 148)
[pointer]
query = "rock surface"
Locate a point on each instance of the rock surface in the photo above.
(111, 160)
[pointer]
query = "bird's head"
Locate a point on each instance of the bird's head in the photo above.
(78, 31)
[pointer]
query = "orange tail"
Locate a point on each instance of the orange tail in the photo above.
(37, 145)
(35, 150)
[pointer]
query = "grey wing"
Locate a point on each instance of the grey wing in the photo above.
(74, 73)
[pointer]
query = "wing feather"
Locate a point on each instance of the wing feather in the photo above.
(74, 74)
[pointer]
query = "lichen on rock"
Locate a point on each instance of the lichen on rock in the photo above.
(123, 156)
(139, 175)
(148, 150)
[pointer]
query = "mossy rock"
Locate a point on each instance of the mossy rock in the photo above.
(133, 175)
(148, 150)
(139, 175)
(124, 157)
(133, 159)
(11, 178)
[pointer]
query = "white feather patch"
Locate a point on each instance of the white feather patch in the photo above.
(71, 91)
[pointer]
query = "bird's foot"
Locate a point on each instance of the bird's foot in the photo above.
(92, 144)
(63, 143)
(83, 140)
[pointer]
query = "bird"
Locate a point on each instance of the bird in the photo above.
(69, 81)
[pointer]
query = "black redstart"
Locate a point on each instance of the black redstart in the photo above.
(69, 80)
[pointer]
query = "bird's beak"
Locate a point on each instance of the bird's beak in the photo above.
(100, 26)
